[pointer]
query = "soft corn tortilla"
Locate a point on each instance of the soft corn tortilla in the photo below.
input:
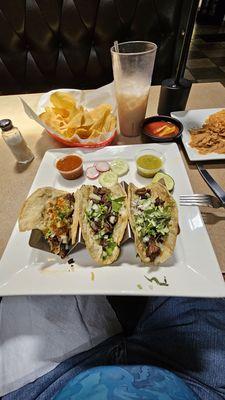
(31, 213)
(167, 249)
(92, 245)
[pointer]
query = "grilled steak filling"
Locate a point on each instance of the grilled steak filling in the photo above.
(102, 215)
(152, 219)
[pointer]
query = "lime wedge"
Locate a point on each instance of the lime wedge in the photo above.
(119, 166)
(169, 182)
(108, 179)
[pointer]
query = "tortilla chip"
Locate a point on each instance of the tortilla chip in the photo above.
(94, 133)
(61, 111)
(87, 119)
(98, 112)
(83, 132)
(62, 100)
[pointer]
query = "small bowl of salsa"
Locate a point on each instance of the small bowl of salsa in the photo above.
(149, 162)
(162, 128)
(70, 167)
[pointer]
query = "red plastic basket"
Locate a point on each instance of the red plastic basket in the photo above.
(83, 145)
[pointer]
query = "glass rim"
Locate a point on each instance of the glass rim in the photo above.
(150, 150)
(113, 51)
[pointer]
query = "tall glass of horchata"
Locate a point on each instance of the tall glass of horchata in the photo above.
(133, 64)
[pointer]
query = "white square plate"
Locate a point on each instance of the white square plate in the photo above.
(195, 119)
(192, 271)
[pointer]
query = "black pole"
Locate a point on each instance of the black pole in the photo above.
(187, 40)
(174, 92)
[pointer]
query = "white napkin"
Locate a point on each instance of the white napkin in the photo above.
(37, 333)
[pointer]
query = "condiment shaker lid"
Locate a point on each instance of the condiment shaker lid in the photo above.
(6, 124)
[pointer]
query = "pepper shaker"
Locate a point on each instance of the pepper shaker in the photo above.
(15, 142)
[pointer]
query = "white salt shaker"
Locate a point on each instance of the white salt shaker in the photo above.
(15, 142)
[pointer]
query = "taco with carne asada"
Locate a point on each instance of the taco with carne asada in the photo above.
(103, 220)
(153, 217)
(55, 213)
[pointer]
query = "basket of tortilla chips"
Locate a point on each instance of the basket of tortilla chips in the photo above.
(79, 118)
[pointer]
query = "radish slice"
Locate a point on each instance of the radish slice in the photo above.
(92, 173)
(102, 166)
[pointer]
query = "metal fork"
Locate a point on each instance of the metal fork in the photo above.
(200, 200)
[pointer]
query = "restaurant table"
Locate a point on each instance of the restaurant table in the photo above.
(15, 180)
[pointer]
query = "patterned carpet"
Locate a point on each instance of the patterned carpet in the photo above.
(206, 60)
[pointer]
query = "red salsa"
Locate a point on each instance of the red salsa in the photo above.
(69, 163)
(70, 167)
(161, 129)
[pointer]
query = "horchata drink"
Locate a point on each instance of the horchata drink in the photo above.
(132, 105)
(132, 69)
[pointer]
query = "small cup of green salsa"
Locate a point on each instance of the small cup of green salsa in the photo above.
(149, 162)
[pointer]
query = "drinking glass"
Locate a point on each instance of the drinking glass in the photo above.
(133, 64)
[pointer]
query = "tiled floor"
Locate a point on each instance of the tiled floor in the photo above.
(206, 60)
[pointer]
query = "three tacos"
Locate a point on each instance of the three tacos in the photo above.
(103, 216)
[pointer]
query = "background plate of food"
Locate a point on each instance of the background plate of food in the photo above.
(204, 133)
(78, 118)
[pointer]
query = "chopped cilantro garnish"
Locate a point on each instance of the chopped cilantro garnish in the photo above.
(108, 249)
(139, 286)
(92, 276)
(99, 212)
(48, 233)
(152, 220)
(61, 214)
(117, 204)
(98, 217)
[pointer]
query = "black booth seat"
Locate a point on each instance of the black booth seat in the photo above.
(46, 44)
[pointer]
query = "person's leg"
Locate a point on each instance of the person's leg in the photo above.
(187, 336)
(110, 352)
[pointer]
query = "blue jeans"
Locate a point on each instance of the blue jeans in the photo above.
(183, 335)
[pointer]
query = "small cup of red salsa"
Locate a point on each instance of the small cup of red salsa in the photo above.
(70, 167)
(161, 128)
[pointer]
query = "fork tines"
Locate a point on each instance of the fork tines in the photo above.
(195, 199)
(195, 196)
(200, 200)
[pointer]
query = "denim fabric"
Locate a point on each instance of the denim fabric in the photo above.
(183, 335)
(186, 336)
